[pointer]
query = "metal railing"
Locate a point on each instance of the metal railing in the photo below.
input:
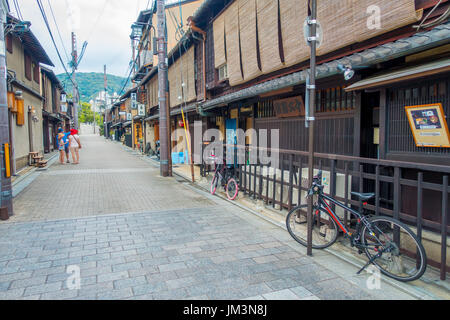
(285, 187)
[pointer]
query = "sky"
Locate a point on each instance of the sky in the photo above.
(104, 24)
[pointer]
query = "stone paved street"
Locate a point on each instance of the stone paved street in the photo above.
(134, 235)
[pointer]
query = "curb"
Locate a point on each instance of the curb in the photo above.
(30, 176)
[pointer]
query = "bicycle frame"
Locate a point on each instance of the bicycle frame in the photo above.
(322, 202)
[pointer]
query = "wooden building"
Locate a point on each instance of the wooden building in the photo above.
(54, 112)
(24, 54)
(256, 62)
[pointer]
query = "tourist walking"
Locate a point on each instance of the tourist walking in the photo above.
(74, 145)
(61, 145)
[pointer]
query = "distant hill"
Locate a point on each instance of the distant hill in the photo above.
(91, 83)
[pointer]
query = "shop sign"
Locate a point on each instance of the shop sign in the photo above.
(133, 100)
(129, 116)
(428, 125)
(290, 107)
(141, 109)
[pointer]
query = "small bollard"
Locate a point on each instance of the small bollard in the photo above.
(4, 214)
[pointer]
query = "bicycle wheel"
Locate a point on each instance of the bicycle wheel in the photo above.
(232, 188)
(214, 183)
(404, 259)
(324, 229)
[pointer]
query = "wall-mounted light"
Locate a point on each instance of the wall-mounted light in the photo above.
(18, 94)
(347, 71)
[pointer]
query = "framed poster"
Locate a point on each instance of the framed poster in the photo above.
(428, 125)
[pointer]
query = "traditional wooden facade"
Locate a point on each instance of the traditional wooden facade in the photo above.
(25, 101)
(255, 66)
(54, 113)
(243, 64)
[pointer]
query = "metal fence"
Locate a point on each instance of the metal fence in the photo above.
(285, 187)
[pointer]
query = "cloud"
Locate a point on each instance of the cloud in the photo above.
(104, 24)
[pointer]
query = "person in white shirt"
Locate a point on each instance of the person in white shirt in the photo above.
(74, 145)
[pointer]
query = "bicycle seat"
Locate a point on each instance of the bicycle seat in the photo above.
(364, 196)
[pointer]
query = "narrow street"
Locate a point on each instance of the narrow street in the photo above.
(116, 220)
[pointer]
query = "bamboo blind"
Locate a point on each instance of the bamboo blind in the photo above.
(267, 11)
(182, 71)
(232, 43)
(190, 74)
(174, 83)
(293, 14)
(336, 19)
(219, 41)
(247, 29)
(343, 23)
(394, 14)
(153, 88)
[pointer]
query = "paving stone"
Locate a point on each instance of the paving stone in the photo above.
(301, 292)
(130, 282)
(44, 288)
(12, 294)
(126, 266)
(281, 295)
(24, 283)
(115, 294)
(112, 276)
(172, 266)
(151, 287)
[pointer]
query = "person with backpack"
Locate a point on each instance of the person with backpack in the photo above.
(74, 146)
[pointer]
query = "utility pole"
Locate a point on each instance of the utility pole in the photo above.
(311, 87)
(106, 101)
(6, 207)
(75, 84)
(163, 84)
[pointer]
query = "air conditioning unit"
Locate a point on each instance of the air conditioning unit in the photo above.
(223, 72)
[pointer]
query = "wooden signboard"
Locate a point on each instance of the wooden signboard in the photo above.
(290, 107)
(428, 125)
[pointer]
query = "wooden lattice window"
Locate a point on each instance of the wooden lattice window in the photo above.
(27, 67)
(36, 72)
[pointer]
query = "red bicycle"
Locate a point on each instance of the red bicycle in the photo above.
(225, 176)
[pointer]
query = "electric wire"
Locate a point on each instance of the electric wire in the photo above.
(18, 12)
(44, 16)
(57, 29)
(429, 14)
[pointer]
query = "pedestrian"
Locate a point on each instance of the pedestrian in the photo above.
(61, 145)
(74, 145)
(66, 144)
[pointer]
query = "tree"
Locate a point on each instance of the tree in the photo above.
(86, 115)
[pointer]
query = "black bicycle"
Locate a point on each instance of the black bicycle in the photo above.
(388, 243)
(224, 176)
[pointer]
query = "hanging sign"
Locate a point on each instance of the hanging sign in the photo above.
(133, 100)
(428, 125)
(141, 109)
(129, 116)
(290, 107)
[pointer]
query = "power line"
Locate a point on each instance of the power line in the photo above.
(18, 12)
(44, 16)
(57, 28)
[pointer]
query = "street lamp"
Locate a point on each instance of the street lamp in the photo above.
(136, 31)
(347, 71)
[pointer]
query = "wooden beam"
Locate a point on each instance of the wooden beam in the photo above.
(277, 92)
